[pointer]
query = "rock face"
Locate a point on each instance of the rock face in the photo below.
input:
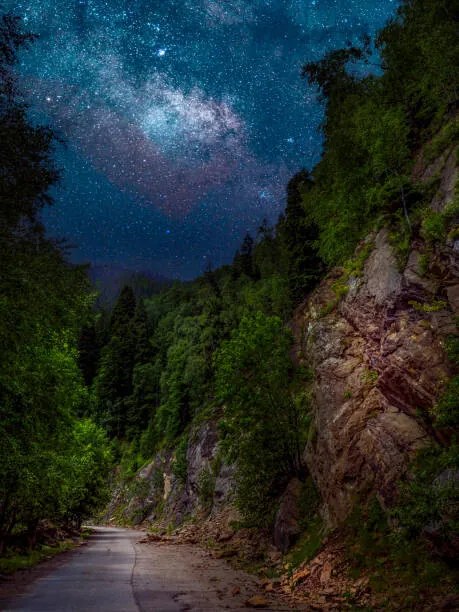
(158, 494)
(287, 524)
(379, 366)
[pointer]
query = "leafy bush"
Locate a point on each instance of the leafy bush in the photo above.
(427, 498)
(206, 488)
(180, 462)
(262, 429)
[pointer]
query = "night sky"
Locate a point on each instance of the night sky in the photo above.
(183, 119)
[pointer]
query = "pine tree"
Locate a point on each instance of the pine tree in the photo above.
(302, 265)
(143, 348)
(123, 311)
(114, 380)
(88, 353)
(243, 262)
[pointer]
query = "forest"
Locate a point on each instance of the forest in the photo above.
(83, 389)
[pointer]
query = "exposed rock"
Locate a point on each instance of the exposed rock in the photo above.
(326, 573)
(453, 297)
(156, 493)
(287, 527)
(379, 365)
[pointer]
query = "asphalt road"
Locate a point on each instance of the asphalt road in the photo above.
(96, 577)
(116, 572)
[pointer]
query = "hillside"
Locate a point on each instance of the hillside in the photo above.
(378, 340)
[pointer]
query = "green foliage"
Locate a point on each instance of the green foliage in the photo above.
(206, 488)
(219, 344)
(263, 431)
(424, 263)
(12, 561)
(436, 227)
(434, 306)
(352, 268)
(308, 503)
(384, 120)
(88, 352)
(180, 462)
(452, 349)
(446, 410)
(52, 466)
(433, 228)
(400, 569)
(308, 544)
(299, 261)
(431, 494)
(370, 377)
(400, 240)
(442, 141)
(129, 457)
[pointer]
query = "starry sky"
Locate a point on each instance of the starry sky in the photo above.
(182, 119)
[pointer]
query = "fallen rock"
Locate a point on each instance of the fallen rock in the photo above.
(257, 601)
(326, 573)
(300, 575)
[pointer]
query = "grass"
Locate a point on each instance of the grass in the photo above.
(307, 546)
(370, 377)
(434, 306)
(13, 561)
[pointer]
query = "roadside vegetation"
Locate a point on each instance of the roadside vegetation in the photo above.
(53, 463)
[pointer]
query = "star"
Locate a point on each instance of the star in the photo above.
(180, 119)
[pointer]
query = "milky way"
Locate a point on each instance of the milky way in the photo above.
(183, 119)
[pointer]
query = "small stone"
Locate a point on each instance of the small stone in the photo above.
(257, 601)
(225, 536)
(328, 592)
(326, 573)
(235, 591)
(300, 575)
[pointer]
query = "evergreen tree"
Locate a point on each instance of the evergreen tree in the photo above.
(123, 311)
(301, 264)
(113, 385)
(88, 353)
(243, 262)
(143, 348)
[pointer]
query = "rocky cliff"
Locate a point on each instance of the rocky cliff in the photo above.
(377, 351)
(164, 495)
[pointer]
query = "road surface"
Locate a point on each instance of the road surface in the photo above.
(115, 572)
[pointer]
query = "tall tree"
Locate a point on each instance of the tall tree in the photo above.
(301, 263)
(44, 302)
(243, 262)
(113, 384)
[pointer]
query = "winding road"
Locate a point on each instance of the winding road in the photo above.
(117, 572)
